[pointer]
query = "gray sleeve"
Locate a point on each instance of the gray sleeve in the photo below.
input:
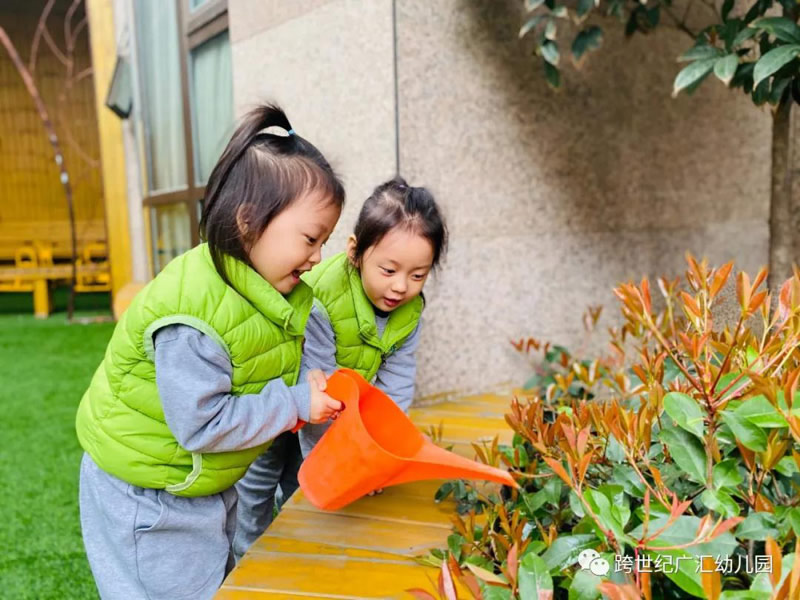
(193, 375)
(319, 348)
(397, 374)
(319, 352)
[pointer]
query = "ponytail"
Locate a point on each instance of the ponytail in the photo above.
(394, 203)
(258, 175)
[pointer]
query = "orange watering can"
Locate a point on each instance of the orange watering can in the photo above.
(372, 445)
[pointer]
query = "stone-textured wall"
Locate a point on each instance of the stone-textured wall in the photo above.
(551, 198)
(330, 65)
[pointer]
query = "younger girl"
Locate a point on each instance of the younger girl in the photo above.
(366, 316)
(202, 372)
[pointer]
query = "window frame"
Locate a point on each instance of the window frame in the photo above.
(194, 29)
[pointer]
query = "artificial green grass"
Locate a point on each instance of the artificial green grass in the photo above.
(45, 366)
(22, 302)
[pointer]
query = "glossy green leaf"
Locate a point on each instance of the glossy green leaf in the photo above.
(782, 28)
(692, 74)
(726, 474)
(750, 435)
(587, 40)
(563, 552)
(725, 68)
(774, 60)
(687, 452)
(533, 577)
(685, 411)
(757, 526)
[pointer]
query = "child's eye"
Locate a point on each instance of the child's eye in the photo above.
(387, 271)
(311, 240)
(419, 277)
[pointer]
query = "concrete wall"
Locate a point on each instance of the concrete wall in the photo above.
(551, 198)
(330, 65)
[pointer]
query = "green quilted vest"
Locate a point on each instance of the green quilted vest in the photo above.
(120, 420)
(339, 292)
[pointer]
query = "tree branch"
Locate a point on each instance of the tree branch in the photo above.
(680, 24)
(58, 155)
(37, 36)
(68, 38)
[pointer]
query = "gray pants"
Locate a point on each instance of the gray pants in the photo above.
(276, 469)
(148, 544)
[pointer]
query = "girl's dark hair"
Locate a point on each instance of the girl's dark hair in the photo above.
(396, 204)
(259, 175)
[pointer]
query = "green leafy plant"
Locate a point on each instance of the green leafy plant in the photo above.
(752, 46)
(674, 459)
(751, 49)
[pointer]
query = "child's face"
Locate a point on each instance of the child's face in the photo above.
(292, 242)
(394, 270)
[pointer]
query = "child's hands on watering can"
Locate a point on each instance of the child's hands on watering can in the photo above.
(316, 378)
(323, 407)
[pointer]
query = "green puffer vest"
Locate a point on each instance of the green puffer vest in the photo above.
(338, 291)
(120, 420)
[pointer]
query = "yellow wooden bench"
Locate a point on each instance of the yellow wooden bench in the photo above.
(52, 236)
(35, 249)
(367, 549)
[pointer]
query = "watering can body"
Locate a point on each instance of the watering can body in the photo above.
(372, 445)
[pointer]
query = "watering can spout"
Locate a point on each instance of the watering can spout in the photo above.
(372, 445)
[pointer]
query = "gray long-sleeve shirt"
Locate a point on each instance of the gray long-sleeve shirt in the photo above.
(395, 376)
(193, 375)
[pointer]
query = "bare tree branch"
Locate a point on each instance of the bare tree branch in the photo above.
(680, 24)
(78, 29)
(82, 75)
(68, 39)
(54, 47)
(58, 154)
(92, 163)
(712, 6)
(686, 12)
(37, 36)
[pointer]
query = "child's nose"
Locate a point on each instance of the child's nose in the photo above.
(399, 285)
(316, 257)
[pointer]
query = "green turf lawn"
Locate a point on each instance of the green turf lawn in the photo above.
(45, 368)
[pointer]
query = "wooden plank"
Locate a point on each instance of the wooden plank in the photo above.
(51, 231)
(422, 419)
(271, 544)
(54, 272)
(366, 549)
(345, 531)
(55, 236)
(257, 594)
(327, 576)
(451, 409)
(396, 505)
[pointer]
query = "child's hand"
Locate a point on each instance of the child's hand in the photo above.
(317, 378)
(323, 407)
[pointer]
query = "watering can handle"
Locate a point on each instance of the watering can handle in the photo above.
(335, 391)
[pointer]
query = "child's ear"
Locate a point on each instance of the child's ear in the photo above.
(351, 249)
(243, 223)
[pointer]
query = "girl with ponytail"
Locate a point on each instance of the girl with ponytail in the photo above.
(202, 371)
(366, 317)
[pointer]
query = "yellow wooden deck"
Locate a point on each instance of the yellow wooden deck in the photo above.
(366, 549)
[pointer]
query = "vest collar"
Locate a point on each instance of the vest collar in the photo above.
(289, 312)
